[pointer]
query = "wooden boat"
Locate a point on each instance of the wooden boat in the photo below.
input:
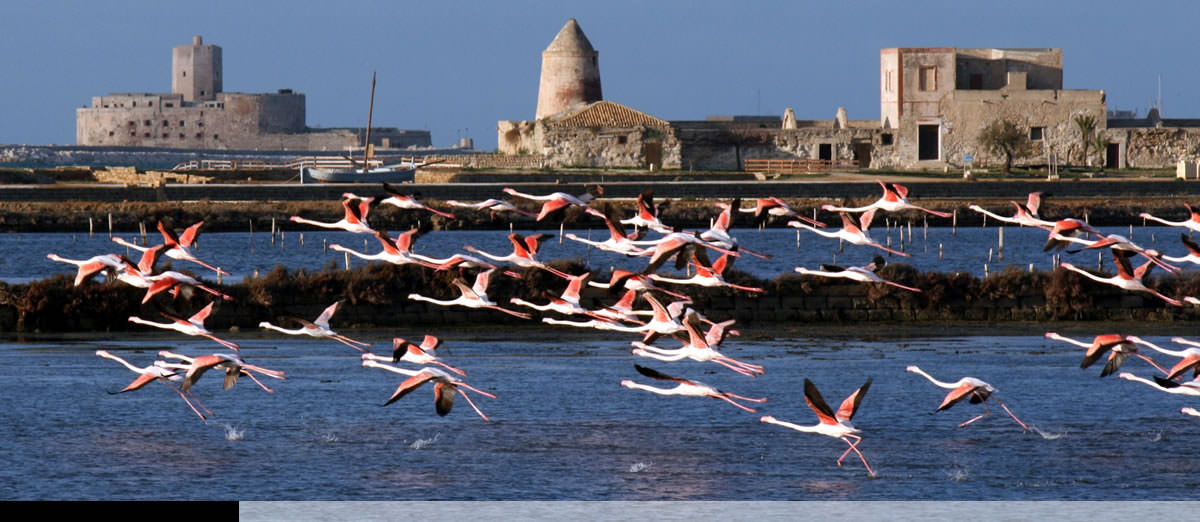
(395, 173)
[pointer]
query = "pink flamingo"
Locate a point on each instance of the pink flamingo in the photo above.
(618, 241)
(408, 352)
(865, 274)
(851, 232)
(559, 201)
(1192, 223)
(524, 253)
(1026, 214)
(495, 206)
(233, 366)
(91, 266)
(686, 388)
(1126, 278)
(193, 325)
(712, 277)
(399, 199)
(180, 247)
(1189, 358)
(319, 328)
(472, 296)
(970, 388)
(895, 199)
(150, 374)
(773, 206)
(647, 214)
(832, 424)
(354, 220)
(445, 387)
(696, 348)
(1119, 346)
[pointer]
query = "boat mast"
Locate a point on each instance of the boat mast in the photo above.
(370, 111)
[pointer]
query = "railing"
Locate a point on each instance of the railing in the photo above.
(321, 162)
(796, 166)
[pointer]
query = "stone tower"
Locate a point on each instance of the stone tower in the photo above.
(570, 72)
(196, 71)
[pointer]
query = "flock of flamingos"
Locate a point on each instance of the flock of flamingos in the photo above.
(690, 250)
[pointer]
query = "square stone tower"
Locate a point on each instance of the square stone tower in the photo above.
(196, 71)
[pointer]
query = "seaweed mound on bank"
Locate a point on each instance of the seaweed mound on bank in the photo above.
(377, 296)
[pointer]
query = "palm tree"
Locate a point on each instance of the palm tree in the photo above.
(1101, 142)
(1086, 123)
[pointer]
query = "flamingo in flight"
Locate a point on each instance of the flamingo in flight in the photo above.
(696, 348)
(495, 206)
(180, 247)
(136, 274)
(1067, 231)
(1190, 411)
(618, 241)
(851, 232)
(472, 296)
(524, 253)
(895, 199)
(86, 268)
(712, 277)
(1191, 223)
(865, 274)
(832, 424)
(354, 220)
(970, 388)
(1193, 255)
(599, 324)
(647, 214)
(319, 328)
(559, 201)
(445, 387)
(193, 325)
(1191, 388)
(773, 206)
(1189, 358)
(233, 366)
(567, 304)
(172, 281)
(150, 374)
(1126, 278)
(396, 252)
(1025, 215)
(686, 388)
(633, 281)
(1125, 246)
(399, 199)
(408, 352)
(683, 246)
(1119, 347)
(718, 233)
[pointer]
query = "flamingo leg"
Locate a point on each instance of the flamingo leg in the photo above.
(898, 285)
(986, 411)
(730, 401)
(744, 365)
(451, 368)
(886, 249)
(745, 288)
(198, 403)
(735, 368)
(510, 312)
(472, 403)
(854, 446)
(258, 382)
(350, 342)
(1154, 364)
(189, 403)
(1010, 414)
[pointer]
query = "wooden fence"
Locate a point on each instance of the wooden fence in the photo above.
(797, 166)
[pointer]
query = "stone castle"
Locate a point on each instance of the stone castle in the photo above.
(934, 102)
(198, 114)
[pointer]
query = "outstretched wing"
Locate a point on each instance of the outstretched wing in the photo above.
(850, 405)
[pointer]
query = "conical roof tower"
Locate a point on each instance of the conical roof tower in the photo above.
(570, 72)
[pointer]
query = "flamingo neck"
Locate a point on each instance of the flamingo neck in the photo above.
(936, 382)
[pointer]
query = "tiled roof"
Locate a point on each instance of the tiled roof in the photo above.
(607, 114)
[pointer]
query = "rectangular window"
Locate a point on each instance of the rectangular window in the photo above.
(170, 105)
(928, 78)
(146, 123)
(885, 138)
(1037, 133)
(199, 124)
(180, 123)
(166, 123)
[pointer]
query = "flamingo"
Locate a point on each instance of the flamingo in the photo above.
(1192, 223)
(1126, 278)
(91, 266)
(696, 348)
(1189, 358)
(152, 373)
(319, 328)
(567, 304)
(682, 246)
(1121, 348)
(1193, 255)
(851, 232)
(633, 281)
(970, 388)
(524, 253)
(354, 220)
(1026, 214)
(832, 424)
(599, 324)
(1120, 243)
(686, 388)
(444, 389)
(1067, 231)
(865, 274)
(423, 353)
(718, 233)
(180, 247)
(472, 296)
(1190, 411)
(895, 199)
(559, 201)
(399, 199)
(171, 280)
(647, 214)
(1191, 388)
(193, 325)
(618, 241)
(712, 277)
(495, 206)
(233, 366)
(396, 252)
(773, 206)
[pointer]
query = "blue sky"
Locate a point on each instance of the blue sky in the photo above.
(457, 67)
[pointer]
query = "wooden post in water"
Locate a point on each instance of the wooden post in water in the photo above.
(989, 255)
(1001, 232)
(561, 227)
(272, 231)
(797, 239)
(347, 256)
(324, 245)
(91, 227)
(110, 225)
(954, 223)
(939, 251)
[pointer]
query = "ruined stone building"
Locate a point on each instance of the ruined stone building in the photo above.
(198, 114)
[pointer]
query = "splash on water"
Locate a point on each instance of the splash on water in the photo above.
(330, 437)
(1047, 435)
(422, 443)
(958, 475)
(1157, 437)
(234, 432)
(638, 467)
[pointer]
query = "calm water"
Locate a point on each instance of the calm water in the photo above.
(564, 428)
